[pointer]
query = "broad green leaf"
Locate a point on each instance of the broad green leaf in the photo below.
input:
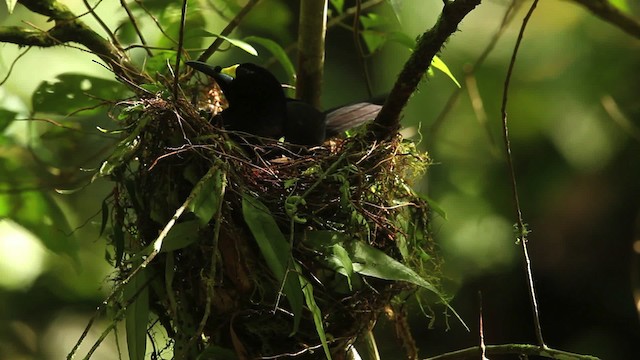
(370, 261)
(278, 52)
(39, 213)
(275, 249)
(440, 65)
(180, 236)
(136, 293)
(72, 92)
(310, 300)
(6, 118)
(207, 196)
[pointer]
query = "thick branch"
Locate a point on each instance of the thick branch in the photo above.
(429, 44)
(68, 28)
(609, 13)
(311, 36)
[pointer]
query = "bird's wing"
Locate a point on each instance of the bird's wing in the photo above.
(350, 116)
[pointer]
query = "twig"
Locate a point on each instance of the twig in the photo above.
(520, 225)
(134, 23)
(227, 30)
(358, 43)
(176, 75)
(609, 13)
(312, 30)
(514, 349)
(429, 44)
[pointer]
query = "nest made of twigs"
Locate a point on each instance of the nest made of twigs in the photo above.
(217, 293)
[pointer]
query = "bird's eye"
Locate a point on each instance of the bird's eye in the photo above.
(217, 69)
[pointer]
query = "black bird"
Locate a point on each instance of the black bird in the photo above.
(258, 106)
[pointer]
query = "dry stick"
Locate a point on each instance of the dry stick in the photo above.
(521, 227)
(176, 75)
(227, 30)
(429, 44)
(134, 23)
(312, 30)
(506, 19)
(609, 13)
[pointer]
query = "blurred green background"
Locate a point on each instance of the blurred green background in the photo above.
(574, 113)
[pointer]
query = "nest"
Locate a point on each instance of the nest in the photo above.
(213, 287)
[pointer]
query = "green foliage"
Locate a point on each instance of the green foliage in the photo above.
(136, 294)
(275, 250)
(71, 93)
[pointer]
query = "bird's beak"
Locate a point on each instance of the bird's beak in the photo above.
(203, 68)
(230, 71)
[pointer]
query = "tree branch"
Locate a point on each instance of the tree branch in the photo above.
(609, 13)
(429, 44)
(311, 35)
(68, 28)
(513, 349)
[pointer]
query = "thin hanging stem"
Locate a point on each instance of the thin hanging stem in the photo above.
(520, 224)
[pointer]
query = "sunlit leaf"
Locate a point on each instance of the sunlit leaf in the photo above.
(440, 65)
(235, 42)
(136, 292)
(11, 4)
(622, 5)
(72, 92)
(278, 52)
(275, 249)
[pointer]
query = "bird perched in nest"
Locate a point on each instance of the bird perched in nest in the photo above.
(258, 106)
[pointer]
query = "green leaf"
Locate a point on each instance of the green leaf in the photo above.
(338, 5)
(278, 52)
(342, 259)
(6, 118)
(275, 249)
(235, 42)
(310, 300)
(370, 261)
(73, 92)
(137, 314)
(622, 5)
(11, 4)
(180, 236)
(440, 65)
(207, 196)
(123, 152)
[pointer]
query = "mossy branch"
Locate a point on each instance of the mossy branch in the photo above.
(68, 28)
(429, 44)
